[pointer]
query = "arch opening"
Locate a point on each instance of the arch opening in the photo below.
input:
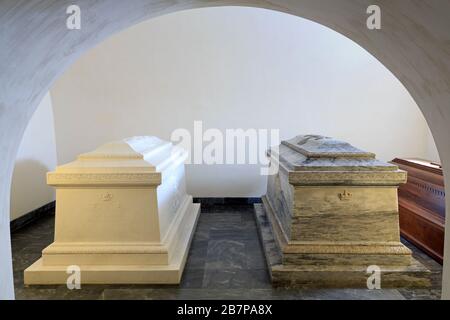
(425, 97)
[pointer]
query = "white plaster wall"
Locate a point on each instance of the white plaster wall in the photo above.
(36, 156)
(234, 68)
(432, 152)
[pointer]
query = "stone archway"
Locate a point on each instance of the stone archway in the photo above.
(36, 47)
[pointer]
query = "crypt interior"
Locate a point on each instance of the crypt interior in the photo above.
(209, 70)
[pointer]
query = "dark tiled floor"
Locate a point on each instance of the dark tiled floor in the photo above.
(225, 262)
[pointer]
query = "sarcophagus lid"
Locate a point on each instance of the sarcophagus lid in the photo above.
(320, 160)
(132, 161)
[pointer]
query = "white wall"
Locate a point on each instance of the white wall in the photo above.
(36, 156)
(234, 68)
(431, 153)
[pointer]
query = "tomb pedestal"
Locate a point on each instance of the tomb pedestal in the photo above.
(122, 216)
(330, 216)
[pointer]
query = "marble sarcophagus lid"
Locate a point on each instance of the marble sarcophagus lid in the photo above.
(122, 216)
(330, 216)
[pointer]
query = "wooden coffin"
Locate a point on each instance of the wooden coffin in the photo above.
(422, 206)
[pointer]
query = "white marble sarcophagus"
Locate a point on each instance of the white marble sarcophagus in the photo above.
(122, 216)
(330, 215)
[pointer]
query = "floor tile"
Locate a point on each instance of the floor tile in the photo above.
(226, 254)
(234, 278)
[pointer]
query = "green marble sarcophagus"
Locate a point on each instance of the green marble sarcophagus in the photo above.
(330, 216)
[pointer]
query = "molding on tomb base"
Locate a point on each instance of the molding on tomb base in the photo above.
(330, 178)
(396, 248)
(102, 179)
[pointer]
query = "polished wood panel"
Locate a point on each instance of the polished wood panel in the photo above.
(422, 206)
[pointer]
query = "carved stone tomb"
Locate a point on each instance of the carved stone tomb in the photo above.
(330, 218)
(122, 216)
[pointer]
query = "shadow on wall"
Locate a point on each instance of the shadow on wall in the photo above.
(29, 188)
